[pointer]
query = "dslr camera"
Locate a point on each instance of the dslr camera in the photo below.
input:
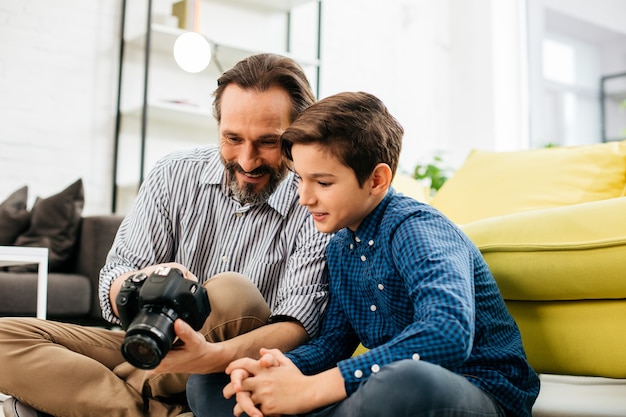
(148, 307)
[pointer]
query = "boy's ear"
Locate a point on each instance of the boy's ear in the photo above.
(381, 179)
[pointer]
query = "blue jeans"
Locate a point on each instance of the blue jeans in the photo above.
(205, 398)
(406, 388)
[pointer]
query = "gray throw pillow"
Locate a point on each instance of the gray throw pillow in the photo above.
(54, 224)
(14, 217)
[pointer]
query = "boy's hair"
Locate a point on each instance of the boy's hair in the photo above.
(355, 127)
(263, 71)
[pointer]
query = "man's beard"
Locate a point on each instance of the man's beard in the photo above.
(248, 194)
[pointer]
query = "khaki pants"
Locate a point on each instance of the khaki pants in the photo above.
(69, 370)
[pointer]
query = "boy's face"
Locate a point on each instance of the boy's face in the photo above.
(329, 189)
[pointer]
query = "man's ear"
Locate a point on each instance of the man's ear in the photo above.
(381, 179)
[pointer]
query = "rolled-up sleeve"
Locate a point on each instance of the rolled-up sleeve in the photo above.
(303, 292)
(144, 238)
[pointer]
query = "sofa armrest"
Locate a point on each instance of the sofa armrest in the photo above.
(561, 273)
(96, 237)
(558, 254)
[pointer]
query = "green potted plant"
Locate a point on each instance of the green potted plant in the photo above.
(434, 173)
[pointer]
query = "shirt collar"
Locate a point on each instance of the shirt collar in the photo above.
(368, 229)
(280, 200)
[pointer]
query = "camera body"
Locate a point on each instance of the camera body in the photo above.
(148, 305)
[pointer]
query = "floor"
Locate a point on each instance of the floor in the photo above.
(2, 397)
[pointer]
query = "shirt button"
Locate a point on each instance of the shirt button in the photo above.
(375, 368)
(239, 214)
(373, 307)
(224, 258)
(363, 258)
(351, 246)
(357, 239)
(415, 357)
(381, 287)
(358, 374)
(371, 243)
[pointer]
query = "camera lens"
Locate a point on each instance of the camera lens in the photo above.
(142, 351)
(149, 337)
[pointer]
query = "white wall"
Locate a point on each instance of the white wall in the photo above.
(605, 13)
(451, 71)
(57, 96)
(434, 62)
(488, 79)
(401, 53)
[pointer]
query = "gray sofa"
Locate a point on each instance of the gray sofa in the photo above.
(73, 292)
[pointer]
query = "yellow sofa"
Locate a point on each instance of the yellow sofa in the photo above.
(551, 224)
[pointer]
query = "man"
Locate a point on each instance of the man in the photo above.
(236, 227)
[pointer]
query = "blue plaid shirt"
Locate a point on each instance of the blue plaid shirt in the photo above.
(410, 284)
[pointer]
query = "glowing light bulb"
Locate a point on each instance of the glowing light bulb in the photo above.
(192, 52)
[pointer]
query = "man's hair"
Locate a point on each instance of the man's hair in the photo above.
(356, 127)
(263, 71)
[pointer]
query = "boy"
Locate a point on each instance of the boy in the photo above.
(404, 281)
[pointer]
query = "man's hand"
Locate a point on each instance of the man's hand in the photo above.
(119, 281)
(187, 353)
(193, 354)
(273, 385)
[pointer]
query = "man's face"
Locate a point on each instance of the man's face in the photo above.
(250, 130)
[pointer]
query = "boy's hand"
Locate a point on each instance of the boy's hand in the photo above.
(272, 385)
(244, 402)
(238, 371)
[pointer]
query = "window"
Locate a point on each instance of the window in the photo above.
(570, 50)
(570, 103)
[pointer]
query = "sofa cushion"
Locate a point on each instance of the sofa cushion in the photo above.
(54, 225)
(96, 238)
(496, 183)
(566, 253)
(573, 337)
(14, 217)
(68, 294)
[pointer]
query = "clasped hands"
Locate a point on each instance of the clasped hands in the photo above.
(269, 386)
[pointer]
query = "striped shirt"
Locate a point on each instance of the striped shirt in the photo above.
(184, 213)
(410, 285)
